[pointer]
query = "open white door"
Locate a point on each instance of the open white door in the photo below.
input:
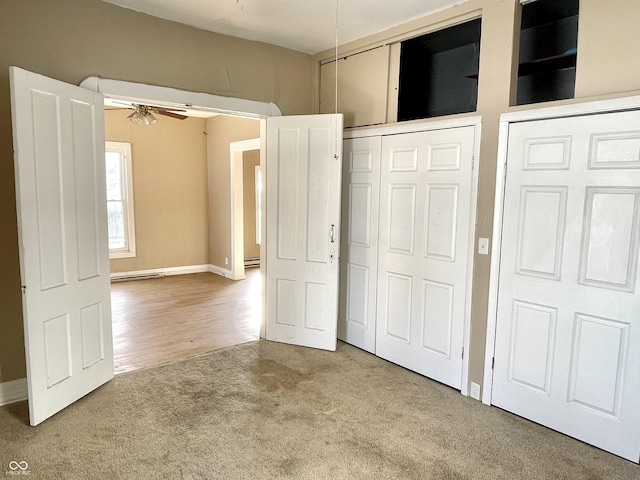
(303, 176)
(58, 137)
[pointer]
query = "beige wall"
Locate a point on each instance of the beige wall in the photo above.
(221, 131)
(608, 46)
(169, 190)
(73, 39)
(250, 159)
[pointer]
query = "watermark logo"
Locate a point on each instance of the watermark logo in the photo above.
(18, 468)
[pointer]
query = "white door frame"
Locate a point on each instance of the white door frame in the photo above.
(171, 97)
(506, 119)
(236, 152)
(423, 125)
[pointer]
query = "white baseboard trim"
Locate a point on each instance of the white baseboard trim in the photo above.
(167, 271)
(13, 391)
(223, 272)
(161, 272)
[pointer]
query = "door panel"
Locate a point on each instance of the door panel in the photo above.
(568, 331)
(359, 249)
(303, 221)
(610, 238)
(87, 169)
(60, 185)
(425, 237)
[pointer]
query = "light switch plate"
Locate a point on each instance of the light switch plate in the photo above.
(483, 246)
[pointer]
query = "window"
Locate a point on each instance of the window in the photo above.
(122, 241)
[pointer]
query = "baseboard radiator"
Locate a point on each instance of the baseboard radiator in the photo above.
(251, 262)
(142, 276)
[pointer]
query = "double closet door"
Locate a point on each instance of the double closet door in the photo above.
(407, 249)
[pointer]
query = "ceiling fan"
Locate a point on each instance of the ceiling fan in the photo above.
(143, 114)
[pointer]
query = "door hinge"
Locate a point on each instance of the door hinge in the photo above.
(23, 288)
(462, 352)
(473, 163)
(493, 362)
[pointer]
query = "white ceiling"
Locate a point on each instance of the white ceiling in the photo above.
(304, 25)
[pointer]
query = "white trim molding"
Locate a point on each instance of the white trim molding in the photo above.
(413, 126)
(13, 391)
(171, 97)
(571, 110)
(223, 272)
(160, 272)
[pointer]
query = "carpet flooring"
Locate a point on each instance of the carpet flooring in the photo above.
(264, 410)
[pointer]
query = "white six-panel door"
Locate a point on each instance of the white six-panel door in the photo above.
(359, 257)
(303, 175)
(425, 238)
(58, 134)
(567, 352)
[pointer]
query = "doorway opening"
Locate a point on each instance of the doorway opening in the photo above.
(75, 273)
(167, 316)
(246, 205)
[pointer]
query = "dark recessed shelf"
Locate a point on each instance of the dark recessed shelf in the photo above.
(543, 65)
(547, 51)
(433, 72)
(547, 64)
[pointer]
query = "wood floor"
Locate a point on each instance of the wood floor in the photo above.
(165, 319)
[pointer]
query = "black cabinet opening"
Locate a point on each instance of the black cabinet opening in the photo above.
(439, 71)
(548, 51)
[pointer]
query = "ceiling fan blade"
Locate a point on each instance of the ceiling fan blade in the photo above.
(131, 115)
(169, 109)
(171, 114)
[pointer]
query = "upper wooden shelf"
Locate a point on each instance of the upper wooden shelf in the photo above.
(547, 64)
(543, 65)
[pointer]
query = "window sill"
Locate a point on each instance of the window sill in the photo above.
(121, 254)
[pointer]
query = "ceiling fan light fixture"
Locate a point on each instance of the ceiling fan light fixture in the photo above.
(137, 118)
(149, 119)
(142, 116)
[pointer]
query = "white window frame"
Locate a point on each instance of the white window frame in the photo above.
(126, 169)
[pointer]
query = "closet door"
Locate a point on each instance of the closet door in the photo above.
(567, 349)
(425, 236)
(359, 261)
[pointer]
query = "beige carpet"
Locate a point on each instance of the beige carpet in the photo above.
(266, 411)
